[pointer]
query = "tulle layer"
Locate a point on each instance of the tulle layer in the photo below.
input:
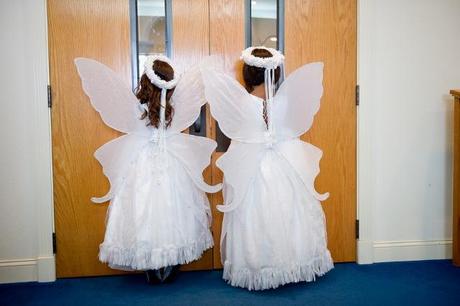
(142, 257)
(273, 277)
(158, 218)
(277, 235)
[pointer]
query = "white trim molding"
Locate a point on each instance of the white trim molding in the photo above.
(365, 252)
(406, 250)
(41, 269)
(366, 172)
(42, 171)
(403, 250)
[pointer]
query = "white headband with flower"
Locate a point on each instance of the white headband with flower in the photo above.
(153, 77)
(272, 62)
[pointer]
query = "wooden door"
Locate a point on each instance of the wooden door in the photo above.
(97, 29)
(315, 30)
(100, 30)
(325, 30)
(226, 39)
(190, 20)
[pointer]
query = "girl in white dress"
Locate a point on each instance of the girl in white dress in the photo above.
(274, 226)
(159, 213)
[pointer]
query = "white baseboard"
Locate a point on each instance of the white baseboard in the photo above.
(365, 252)
(384, 251)
(40, 269)
(46, 269)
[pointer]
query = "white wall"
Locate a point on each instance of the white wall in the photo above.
(409, 56)
(25, 156)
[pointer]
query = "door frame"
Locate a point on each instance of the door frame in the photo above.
(45, 218)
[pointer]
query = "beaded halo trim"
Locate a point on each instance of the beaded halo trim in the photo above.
(267, 62)
(153, 77)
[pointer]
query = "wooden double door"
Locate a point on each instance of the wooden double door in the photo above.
(315, 30)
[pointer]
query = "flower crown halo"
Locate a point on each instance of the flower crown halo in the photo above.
(153, 77)
(272, 62)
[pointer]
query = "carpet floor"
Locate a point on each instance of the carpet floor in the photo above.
(434, 282)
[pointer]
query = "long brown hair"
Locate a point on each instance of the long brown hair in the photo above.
(254, 76)
(149, 94)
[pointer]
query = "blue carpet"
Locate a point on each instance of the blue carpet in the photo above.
(434, 282)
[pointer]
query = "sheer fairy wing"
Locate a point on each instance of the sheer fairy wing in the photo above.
(115, 157)
(194, 153)
(187, 99)
(239, 165)
(109, 95)
(297, 101)
(239, 115)
(304, 159)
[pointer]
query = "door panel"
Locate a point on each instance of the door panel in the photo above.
(325, 30)
(92, 29)
(227, 40)
(77, 130)
(314, 30)
(190, 20)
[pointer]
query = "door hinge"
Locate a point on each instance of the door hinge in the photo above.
(50, 97)
(357, 95)
(54, 243)
(357, 229)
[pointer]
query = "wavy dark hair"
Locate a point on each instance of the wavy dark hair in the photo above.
(254, 76)
(149, 94)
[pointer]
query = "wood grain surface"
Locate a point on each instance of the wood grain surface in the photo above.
(226, 40)
(189, 21)
(99, 30)
(325, 30)
(315, 30)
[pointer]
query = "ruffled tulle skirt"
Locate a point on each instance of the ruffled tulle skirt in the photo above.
(277, 235)
(158, 218)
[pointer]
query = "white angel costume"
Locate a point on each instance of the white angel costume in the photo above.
(159, 213)
(274, 226)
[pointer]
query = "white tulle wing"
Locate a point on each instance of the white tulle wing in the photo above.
(237, 112)
(195, 155)
(239, 165)
(187, 99)
(110, 96)
(115, 157)
(304, 159)
(297, 101)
